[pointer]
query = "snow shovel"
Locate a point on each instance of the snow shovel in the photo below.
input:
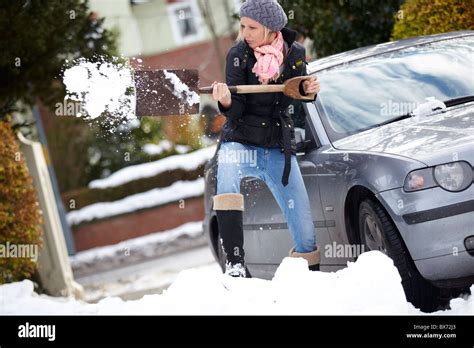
(176, 92)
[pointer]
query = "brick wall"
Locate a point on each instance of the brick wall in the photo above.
(123, 227)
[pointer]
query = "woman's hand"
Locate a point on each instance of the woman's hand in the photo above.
(311, 85)
(221, 93)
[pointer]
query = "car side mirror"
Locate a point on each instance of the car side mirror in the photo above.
(299, 135)
(302, 145)
(299, 139)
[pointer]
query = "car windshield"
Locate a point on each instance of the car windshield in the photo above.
(360, 95)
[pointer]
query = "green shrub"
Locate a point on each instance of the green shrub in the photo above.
(20, 216)
(338, 26)
(425, 17)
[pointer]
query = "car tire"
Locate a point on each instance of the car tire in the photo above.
(378, 232)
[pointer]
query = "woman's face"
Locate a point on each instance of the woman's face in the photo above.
(253, 32)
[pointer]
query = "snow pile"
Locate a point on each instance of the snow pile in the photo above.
(134, 281)
(190, 161)
(369, 286)
(101, 87)
(153, 198)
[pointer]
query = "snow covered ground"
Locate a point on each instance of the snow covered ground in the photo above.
(133, 281)
(369, 286)
(143, 265)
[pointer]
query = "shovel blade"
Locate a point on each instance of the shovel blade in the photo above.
(167, 92)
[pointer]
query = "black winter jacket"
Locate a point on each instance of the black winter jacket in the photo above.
(262, 119)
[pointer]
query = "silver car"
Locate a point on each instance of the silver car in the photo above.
(387, 155)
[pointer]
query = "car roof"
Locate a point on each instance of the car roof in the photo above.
(368, 51)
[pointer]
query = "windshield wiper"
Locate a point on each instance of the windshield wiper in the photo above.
(395, 119)
(459, 101)
(448, 103)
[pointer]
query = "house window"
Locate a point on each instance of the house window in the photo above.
(187, 25)
(186, 21)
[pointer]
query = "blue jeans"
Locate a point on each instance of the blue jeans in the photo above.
(237, 161)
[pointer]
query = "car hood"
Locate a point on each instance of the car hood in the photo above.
(433, 139)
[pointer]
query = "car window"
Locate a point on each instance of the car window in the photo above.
(359, 95)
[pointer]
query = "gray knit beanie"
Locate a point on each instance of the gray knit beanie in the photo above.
(267, 12)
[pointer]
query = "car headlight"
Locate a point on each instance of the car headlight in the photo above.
(419, 180)
(454, 177)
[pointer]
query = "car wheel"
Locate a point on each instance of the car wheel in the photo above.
(378, 232)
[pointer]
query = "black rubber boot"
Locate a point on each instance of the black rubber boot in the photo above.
(231, 231)
(229, 211)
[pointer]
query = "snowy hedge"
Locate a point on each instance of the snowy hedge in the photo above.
(141, 178)
(78, 199)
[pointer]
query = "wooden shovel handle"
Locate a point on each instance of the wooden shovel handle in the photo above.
(290, 88)
(246, 89)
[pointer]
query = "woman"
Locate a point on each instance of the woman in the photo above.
(258, 137)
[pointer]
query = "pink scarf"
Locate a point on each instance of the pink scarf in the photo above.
(269, 59)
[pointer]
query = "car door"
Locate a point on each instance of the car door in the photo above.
(267, 238)
(333, 170)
